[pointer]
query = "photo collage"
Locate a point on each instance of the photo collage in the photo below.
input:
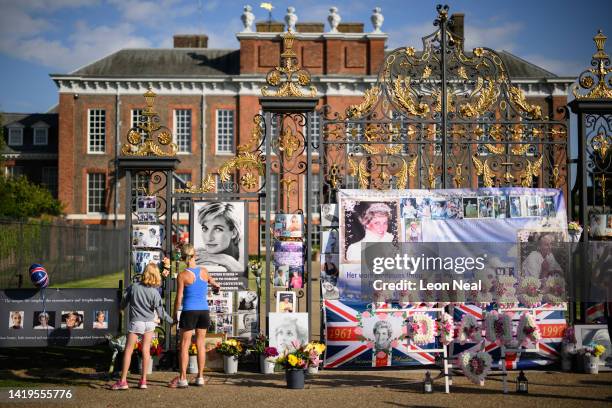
(288, 251)
(147, 235)
(234, 316)
(61, 319)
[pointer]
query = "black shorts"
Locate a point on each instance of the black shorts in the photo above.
(194, 319)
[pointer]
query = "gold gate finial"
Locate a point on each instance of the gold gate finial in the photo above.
(148, 137)
(288, 76)
(592, 83)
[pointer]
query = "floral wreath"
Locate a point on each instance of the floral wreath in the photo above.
(554, 288)
(381, 316)
(527, 330)
(529, 291)
(421, 329)
(469, 331)
(498, 328)
(505, 291)
(476, 366)
(446, 328)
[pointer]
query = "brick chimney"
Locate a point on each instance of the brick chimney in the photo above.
(457, 28)
(190, 41)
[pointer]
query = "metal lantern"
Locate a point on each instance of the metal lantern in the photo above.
(522, 384)
(428, 384)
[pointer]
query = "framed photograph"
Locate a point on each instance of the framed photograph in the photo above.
(533, 206)
(43, 320)
(470, 207)
(515, 207)
(485, 207)
(408, 207)
(147, 236)
(547, 207)
(296, 277)
(330, 268)
(329, 242)
(221, 303)
(247, 325)
(500, 206)
(288, 225)
(214, 360)
(72, 319)
(413, 231)
(147, 217)
(329, 215)
(281, 276)
(454, 208)
(542, 253)
(438, 209)
(591, 334)
(140, 259)
(219, 235)
(288, 253)
(286, 328)
(16, 319)
(146, 204)
(100, 319)
(329, 290)
(247, 301)
(285, 302)
(368, 221)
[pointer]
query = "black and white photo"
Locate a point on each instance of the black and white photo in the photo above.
(219, 235)
(147, 236)
(288, 329)
(146, 204)
(247, 301)
(329, 215)
(246, 325)
(140, 259)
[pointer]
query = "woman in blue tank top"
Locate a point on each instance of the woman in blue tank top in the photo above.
(192, 294)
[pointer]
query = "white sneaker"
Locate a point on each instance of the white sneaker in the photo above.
(199, 381)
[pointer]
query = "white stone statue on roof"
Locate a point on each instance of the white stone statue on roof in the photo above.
(247, 19)
(377, 19)
(291, 18)
(334, 19)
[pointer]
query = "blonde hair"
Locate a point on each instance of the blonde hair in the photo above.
(151, 276)
(187, 252)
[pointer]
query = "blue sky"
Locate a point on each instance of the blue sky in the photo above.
(39, 37)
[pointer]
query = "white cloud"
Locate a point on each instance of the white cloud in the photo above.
(85, 45)
(152, 13)
(556, 66)
(498, 37)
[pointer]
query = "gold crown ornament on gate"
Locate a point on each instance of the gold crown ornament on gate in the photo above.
(148, 137)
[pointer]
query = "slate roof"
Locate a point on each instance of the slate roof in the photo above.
(176, 62)
(198, 62)
(27, 120)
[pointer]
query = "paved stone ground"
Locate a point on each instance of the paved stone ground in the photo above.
(343, 389)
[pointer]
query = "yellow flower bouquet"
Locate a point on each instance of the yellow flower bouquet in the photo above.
(230, 347)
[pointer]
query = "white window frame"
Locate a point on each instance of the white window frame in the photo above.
(39, 128)
(97, 113)
(177, 133)
(19, 135)
(221, 149)
(103, 192)
(135, 115)
(316, 135)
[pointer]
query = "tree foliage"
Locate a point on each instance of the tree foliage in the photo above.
(22, 198)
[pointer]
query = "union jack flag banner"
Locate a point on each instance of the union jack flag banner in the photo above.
(356, 337)
(550, 321)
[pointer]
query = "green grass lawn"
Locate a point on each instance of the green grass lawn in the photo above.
(103, 281)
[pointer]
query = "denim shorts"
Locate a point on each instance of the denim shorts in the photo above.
(141, 327)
